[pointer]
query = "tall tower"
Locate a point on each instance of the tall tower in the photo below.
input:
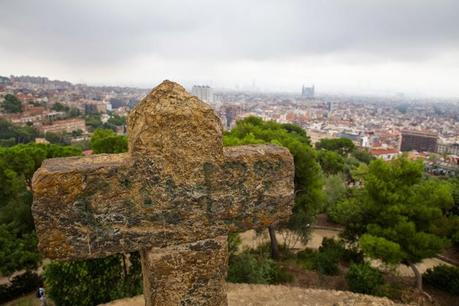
(308, 92)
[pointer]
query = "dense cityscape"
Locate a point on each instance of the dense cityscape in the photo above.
(385, 126)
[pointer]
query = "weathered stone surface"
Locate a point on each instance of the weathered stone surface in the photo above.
(199, 280)
(177, 185)
(269, 295)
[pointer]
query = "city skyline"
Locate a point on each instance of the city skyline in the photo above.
(349, 47)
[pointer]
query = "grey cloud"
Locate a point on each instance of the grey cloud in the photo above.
(107, 32)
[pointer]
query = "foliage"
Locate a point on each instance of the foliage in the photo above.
(330, 254)
(19, 285)
(326, 263)
(59, 138)
(394, 214)
(107, 141)
(93, 122)
(264, 249)
(11, 104)
(342, 146)
(117, 120)
(17, 250)
(444, 278)
(253, 268)
(307, 258)
(18, 163)
(347, 212)
(330, 161)
(326, 260)
(363, 156)
(335, 190)
(11, 134)
(59, 107)
(73, 112)
(234, 241)
(17, 237)
(392, 291)
(308, 176)
(448, 225)
(362, 278)
(93, 281)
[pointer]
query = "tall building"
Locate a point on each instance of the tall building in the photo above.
(448, 148)
(203, 92)
(419, 141)
(307, 92)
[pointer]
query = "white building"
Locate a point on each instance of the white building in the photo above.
(385, 154)
(203, 92)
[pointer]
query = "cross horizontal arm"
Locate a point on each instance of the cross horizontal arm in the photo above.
(254, 187)
(94, 206)
(69, 196)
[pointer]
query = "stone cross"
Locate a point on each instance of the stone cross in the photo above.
(174, 197)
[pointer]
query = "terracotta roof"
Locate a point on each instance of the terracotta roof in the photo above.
(384, 151)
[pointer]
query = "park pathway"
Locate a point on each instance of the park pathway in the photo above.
(251, 240)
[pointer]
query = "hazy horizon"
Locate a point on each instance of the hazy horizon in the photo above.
(354, 47)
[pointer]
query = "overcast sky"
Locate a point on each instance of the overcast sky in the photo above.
(341, 46)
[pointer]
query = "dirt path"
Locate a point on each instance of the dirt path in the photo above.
(268, 295)
(251, 240)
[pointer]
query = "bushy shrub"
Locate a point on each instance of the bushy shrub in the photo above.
(19, 285)
(326, 263)
(94, 281)
(326, 260)
(264, 249)
(443, 277)
(307, 258)
(330, 254)
(353, 255)
(391, 291)
(362, 278)
(234, 241)
(249, 267)
(333, 247)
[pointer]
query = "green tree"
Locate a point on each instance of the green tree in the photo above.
(12, 104)
(11, 134)
(59, 107)
(330, 162)
(363, 155)
(335, 190)
(362, 278)
(18, 248)
(73, 112)
(308, 176)
(393, 215)
(107, 141)
(448, 225)
(117, 120)
(94, 281)
(60, 138)
(93, 121)
(342, 146)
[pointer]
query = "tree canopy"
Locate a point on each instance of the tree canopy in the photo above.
(107, 141)
(11, 134)
(341, 146)
(393, 215)
(12, 104)
(17, 237)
